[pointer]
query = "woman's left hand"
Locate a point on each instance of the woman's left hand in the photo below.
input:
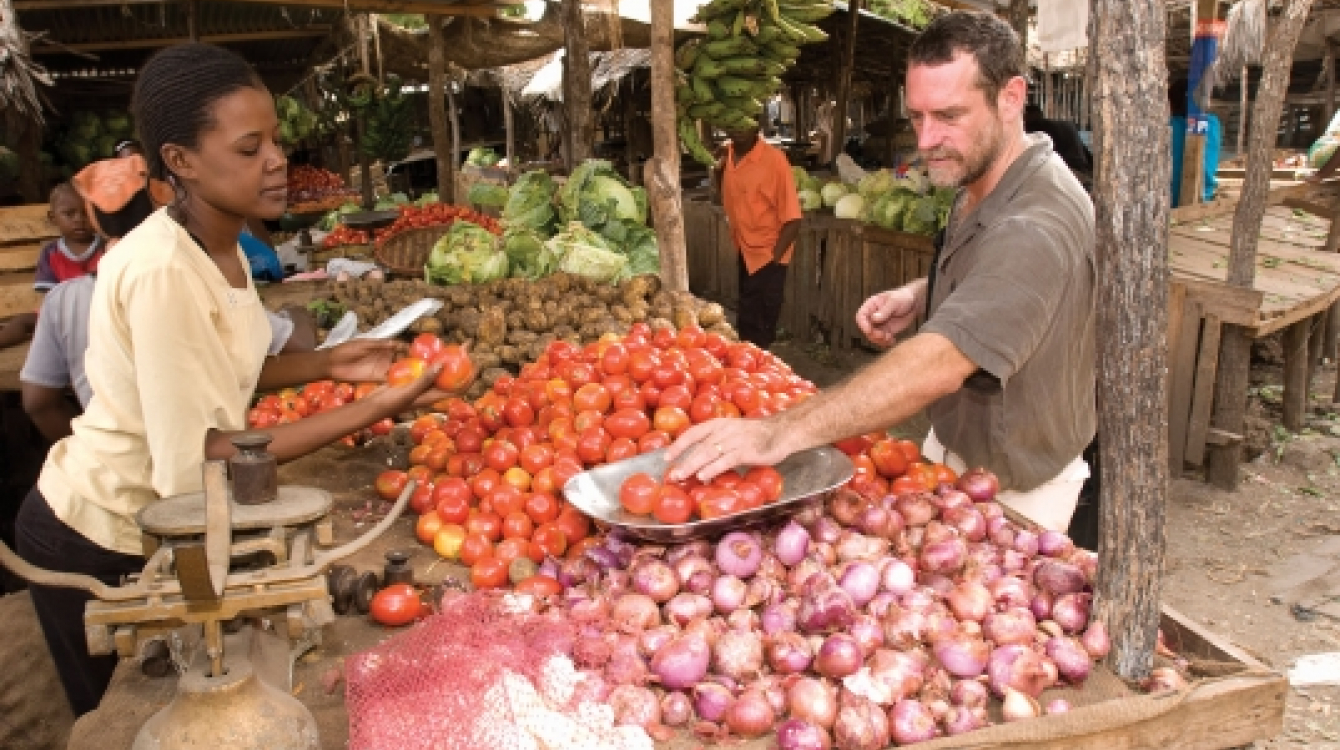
(363, 360)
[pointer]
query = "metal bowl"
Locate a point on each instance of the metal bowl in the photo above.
(368, 220)
(808, 476)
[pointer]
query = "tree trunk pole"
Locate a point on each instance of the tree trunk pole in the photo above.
(844, 80)
(577, 103)
(1235, 348)
(1131, 215)
(1243, 113)
(437, 111)
(1330, 85)
(192, 20)
(454, 118)
(509, 127)
(661, 173)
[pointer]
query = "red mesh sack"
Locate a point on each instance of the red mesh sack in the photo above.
(484, 673)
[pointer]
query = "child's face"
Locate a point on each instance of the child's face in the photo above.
(70, 218)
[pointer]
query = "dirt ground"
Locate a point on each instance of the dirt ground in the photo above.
(1229, 554)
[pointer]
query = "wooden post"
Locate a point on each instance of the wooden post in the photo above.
(661, 175)
(1330, 86)
(1295, 373)
(361, 120)
(437, 111)
(577, 98)
(192, 20)
(1230, 398)
(1131, 222)
(509, 128)
(895, 106)
(845, 65)
(454, 117)
(1243, 113)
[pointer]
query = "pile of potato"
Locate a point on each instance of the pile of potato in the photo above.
(510, 321)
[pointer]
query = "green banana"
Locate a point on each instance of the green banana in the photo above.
(734, 47)
(781, 51)
(706, 111)
(688, 138)
(747, 105)
(808, 15)
(687, 54)
(767, 33)
(737, 28)
(716, 31)
(706, 68)
(684, 93)
(745, 66)
(702, 90)
(733, 86)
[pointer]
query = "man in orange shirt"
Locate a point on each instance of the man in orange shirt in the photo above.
(759, 195)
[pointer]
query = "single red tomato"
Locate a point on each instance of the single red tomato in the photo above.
(474, 547)
(540, 586)
(573, 524)
(670, 420)
(457, 369)
(888, 458)
(427, 526)
(621, 448)
(506, 499)
(751, 495)
(391, 483)
(911, 451)
(544, 482)
(716, 503)
(488, 573)
(587, 419)
(630, 399)
(425, 346)
(638, 493)
(592, 445)
(577, 549)
(592, 396)
(487, 524)
(452, 508)
(396, 605)
(518, 413)
(469, 440)
(677, 396)
(541, 507)
(405, 371)
(672, 505)
(550, 538)
(615, 359)
(536, 457)
(628, 423)
(484, 482)
(653, 441)
(501, 455)
(767, 479)
(517, 525)
(510, 549)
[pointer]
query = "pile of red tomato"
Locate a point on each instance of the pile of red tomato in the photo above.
(293, 404)
(886, 465)
(680, 502)
(435, 215)
(489, 473)
(342, 235)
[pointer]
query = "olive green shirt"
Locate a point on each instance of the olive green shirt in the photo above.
(1014, 291)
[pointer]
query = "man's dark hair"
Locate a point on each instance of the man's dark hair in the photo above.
(175, 92)
(990, 41)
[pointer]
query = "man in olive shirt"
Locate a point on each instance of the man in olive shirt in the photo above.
(1004, 365)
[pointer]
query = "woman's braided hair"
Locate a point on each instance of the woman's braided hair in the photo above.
(175, 91)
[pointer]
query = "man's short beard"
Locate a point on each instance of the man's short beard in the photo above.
(975, 170)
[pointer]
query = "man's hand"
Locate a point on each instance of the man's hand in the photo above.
(887, 314)
(713, 447)
(363, 360)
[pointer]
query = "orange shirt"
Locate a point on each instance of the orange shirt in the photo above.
(759, 195)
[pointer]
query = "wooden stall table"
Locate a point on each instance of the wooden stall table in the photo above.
(1295, 286)
(24, 230)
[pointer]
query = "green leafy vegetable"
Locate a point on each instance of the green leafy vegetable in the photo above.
(487, 194)
(585, 253)
(527, 253)
(531, 202)
(466, 254)
(596, 195)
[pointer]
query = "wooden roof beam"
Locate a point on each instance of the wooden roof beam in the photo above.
(483, 10)
(153, 43)
(439, 7)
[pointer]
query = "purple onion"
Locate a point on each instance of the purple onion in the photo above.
(1026, 543)
(1058, 706)
(868, 632)
(962, 656)
(1071, 611)
(676, 709)
(825, 530)
(728, 594)
(1059, 577)
(778, 618)
(789, 653)
(945, 557)
(696, 548)
(860, 580)
(1012, 626)
(1055, 544)
(711, 701)
(912, 722)
(896, 576)
(1095, 640)
(1041, 606)
(961, 720)
(1072, 661)
(969, 694)
(689, 565)
(798, 734)
(739, 554)
(682, 663)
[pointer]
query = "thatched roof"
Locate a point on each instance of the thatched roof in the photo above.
(19, 74)
(606, 68)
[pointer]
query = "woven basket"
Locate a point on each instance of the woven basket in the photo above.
(406, 253)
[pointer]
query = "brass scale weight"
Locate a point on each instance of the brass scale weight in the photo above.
(243, 548)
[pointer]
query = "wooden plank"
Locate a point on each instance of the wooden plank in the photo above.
(1217, 437)
(17, 294)
(20, 257)
(1182, 372)
(440, 7)
(1177, 294)
(39, 48)
(1207, 366)
(11, 363)
(1276, 319)
(24, 224)
(1230, 304)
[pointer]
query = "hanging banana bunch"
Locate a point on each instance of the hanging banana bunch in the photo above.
(725, 78)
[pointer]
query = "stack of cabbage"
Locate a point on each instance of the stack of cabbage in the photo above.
(90, 137)
(907, 203)
(725, 79)
(603, 222)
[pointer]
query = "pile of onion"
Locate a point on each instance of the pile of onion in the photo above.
(872, 620)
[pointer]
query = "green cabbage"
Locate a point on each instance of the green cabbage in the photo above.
(921, 216)
(810, 200)
(427, 199)
(875, 183)
(641, 251)
(487, 194)
(481, 157)
(466, 254)
(531, 203)
(596, 195)
(527, 253)
(585, 253)
(849, 206)
(833, 192)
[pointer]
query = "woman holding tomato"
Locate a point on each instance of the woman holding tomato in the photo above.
(177, 346)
